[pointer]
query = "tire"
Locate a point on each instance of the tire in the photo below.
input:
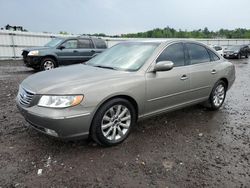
(47, 64)
(217, 95)
(246, 56)
(239, 56)
(107, 123)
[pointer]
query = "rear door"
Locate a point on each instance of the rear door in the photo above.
(168, 89)
(69, 54)
(86, 49)
(203, 73)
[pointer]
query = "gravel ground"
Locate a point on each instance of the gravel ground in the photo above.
(192, 147)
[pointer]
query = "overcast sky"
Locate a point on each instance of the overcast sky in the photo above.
(124, 16)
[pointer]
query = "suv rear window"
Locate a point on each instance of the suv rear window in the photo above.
(84, 43)
(99, 43)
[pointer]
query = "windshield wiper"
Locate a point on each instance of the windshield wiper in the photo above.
(105, 67)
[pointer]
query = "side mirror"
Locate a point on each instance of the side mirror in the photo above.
(163, 66)
(61, 47)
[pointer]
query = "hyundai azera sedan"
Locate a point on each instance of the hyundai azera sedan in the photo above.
(105, 97)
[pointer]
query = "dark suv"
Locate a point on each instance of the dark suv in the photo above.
(63, 51)
(236, 51)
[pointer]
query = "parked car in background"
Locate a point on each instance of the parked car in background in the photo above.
(63, 51)
(130, 81)
(218, 49)
(236, 51)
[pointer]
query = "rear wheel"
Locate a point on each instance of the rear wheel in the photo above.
(217, 95)
(47, 64)
(246, 56)
(113, 121)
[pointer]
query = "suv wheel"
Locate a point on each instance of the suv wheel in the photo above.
(113, 121)
(217, 95)
(47, 64)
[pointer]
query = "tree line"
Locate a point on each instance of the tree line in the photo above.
(168, 32)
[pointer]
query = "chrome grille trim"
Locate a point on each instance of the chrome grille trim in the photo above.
(25, 96)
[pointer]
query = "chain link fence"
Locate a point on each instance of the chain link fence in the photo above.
(13, 42)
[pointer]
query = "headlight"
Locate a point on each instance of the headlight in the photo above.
(33, 53)
(59, 101)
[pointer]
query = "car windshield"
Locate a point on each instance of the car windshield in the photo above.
(54, 42)
(233, 48)
(124, 56)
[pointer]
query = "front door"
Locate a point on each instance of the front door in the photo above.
(69, 53)
(168, 89)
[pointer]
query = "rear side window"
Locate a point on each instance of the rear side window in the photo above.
(84, 43)
(213, 56)
(197, 53)
(99, 43)
(174, 53)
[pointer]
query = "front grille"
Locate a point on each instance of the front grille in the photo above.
(25, 97)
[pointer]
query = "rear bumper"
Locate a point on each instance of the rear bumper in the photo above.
(72, 126)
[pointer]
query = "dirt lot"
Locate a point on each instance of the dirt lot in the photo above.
(192, 147)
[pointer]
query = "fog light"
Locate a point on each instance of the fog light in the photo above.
(51, 132)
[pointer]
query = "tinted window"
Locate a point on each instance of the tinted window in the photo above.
(174, 53)
(85, 43)
(99, 43)
(70, 44)
(197, 53)
(213, 56)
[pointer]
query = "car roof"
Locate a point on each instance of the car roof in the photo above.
(162, 41)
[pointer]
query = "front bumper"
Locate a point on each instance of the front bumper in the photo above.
(32, 61)
(65, 123)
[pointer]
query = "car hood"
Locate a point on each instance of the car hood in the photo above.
(36, 48)
(71, 79)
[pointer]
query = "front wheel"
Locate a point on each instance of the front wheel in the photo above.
(217, 95)
(239, 56)
(47, 64)
(113, 121)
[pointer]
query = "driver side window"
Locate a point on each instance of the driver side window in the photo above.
(70, 44)
(174, 53)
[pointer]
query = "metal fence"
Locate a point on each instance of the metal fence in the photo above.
(13, 42)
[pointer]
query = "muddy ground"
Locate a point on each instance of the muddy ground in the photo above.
(192, 147)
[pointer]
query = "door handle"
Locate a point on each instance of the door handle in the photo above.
(213, 71)
(93, 51)
(75, 51)
(184, 77)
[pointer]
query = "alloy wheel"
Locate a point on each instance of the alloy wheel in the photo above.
(219, 95)
(116, 122)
